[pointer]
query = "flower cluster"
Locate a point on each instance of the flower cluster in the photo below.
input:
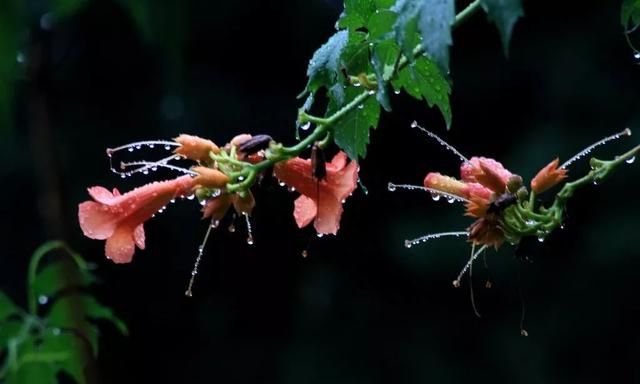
(220, 177)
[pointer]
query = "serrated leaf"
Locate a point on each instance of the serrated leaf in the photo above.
(49, 281)
(630, 11)
(351, 133)
(380, 24)
(356, 13)
(355, 56)
(324, 67)
(504, 14)
(423, 80)
(433, 19)
(7, 307)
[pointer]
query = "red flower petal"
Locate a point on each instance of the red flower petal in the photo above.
(120, 246)
(304, 210)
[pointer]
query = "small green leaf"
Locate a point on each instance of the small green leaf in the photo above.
(384, 4)
(59, 276)
(504, 13)
(324, 67)
(433, 19)
(356, 13)
(7, 307)
(33, 372)
(351, 133)
(422, 79)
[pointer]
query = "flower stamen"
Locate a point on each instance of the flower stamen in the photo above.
(440, 141)
(587, 150)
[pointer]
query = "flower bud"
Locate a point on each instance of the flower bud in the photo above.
(210, 178)
(548, 176)
(514, 183)
(195, 148)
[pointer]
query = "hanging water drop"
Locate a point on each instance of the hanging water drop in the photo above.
(397, 91)
(167, 147)
(151, 145)
(407, 244)
(435, 196)
(371, 92)
(630, 160)
(360, 106)
(130, 149)
(541, 238)
(42, 299)
(456, 283)
(291, 189)
(305, 126)
(304, 253)
(281, 183)
(191, 197)
(451, 199)
(391, 187)
(636, 55)
(232, 228)
(215, 224)
(414, 124)
(319, 234)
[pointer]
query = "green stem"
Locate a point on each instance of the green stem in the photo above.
(323, 126)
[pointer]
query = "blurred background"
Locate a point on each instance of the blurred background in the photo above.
(78, 76)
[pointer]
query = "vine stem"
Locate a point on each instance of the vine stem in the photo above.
(323, 126)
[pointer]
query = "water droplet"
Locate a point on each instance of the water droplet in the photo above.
(122, 175)
(371, 92)
(138, 146)
(250, 240)
(595, 182)
(203, 202)
(281, 183)
(200, 249)
(191, 197)
(488, 284)
(42, 299)
(154, 169)
(151, 145)
(523, 332)
(130, 149)
(167, 147)
(451, 199)
(188, 293)
(357, 85)
(360, 106)
(636, 55)
(435, 196)
(305, 126)
(291, 189)
(56, 331)
(319, 234)
(414, 124)
(232, 228)
(456, 283)
(172, 201)
(407, 244)
(541, 238)
(20, 57)
(630, 160)
(391, 187)
(561, 226)
(145, 172)
(397, 91)
(215, 224)
(304, 253)
(240, 178)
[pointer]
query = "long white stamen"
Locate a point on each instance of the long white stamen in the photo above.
(586, 151)
(435, 193)
(139, 144)
(214, 224)
(146, 165)
(456, 282)
(425, 238)
(473, 299)
(440, 141)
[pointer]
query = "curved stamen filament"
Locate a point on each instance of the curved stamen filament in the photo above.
(432, 236)
(440, 141)
(196, 265)
(474, 256)
(124, 165)
(145, 165)
(434, 192)
(586, 151)
(139, 144)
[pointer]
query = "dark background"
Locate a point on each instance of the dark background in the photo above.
(361, 308)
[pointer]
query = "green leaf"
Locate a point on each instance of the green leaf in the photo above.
(324, 67)
(7, 307)
(355, 56)
(380, 24)
(423, 80)
(433, 19)
(9, 329)
(351, 133)
(83, 307)
(379, 68)
(504, 13)
(384, 4)
(58, 343)
(356, 13)
(630, 11)
(33, 372)
(59, 276)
